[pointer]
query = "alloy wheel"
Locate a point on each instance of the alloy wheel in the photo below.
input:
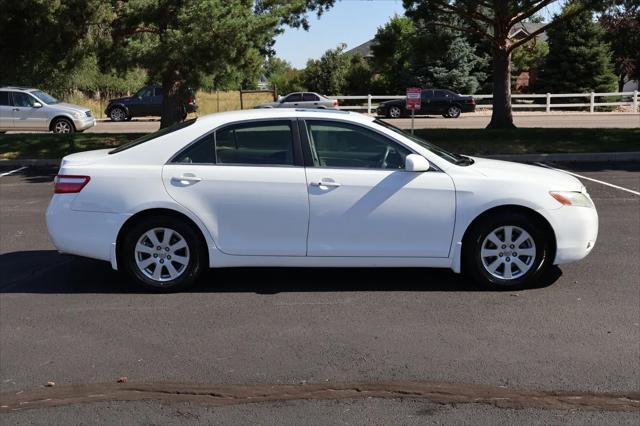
(62, 126)
(394, 112)
(508, 252)
(453, 112)
(117, 114)
(162, 254)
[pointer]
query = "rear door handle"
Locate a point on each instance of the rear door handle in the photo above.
(325, 183)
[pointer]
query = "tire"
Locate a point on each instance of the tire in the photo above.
(494, 265)
(394, 112)
(118, 114)
(62, 126)
(453, 111)
(141, 258)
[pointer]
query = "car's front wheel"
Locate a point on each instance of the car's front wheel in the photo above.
(394, 112)
(117, 114)
(62, 125)
(163, 253)
(507, 251)
(453, 111)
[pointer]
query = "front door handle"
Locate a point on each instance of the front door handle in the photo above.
(187, 178)
(325, 183)
(16, 109)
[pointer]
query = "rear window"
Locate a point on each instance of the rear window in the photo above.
(154, 135)
(4, 99)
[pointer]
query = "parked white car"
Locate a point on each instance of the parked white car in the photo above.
(311, 188)
(24, 109)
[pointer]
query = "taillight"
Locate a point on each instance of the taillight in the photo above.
(190, 100)
(335, 103)
(67, 184)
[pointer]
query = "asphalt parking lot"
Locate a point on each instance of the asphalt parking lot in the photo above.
(75, 321)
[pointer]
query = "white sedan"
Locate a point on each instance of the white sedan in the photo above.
(311, 188)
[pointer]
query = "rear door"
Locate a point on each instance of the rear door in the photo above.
(426, 102)
(246, 182)
(25, 115)
(441, 101)
(6, 111)
(310, 100)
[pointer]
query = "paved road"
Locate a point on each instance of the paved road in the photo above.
(469, 121)
(73, 320)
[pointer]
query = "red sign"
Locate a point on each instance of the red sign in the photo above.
(413, 97)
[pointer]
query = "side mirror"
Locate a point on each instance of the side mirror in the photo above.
(416, 163)
(37, 105)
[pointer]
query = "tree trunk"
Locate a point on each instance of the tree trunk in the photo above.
(501, 117)
(173, 101)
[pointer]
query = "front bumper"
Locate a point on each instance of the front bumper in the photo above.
(576, 230)
(84, 123)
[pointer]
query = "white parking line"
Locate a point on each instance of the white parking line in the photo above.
(591, 179)
(12, 171)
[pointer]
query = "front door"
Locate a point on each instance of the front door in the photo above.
(26, 116)
(363, 202)
(247, 184)
(155, 107)
(141, 102)
(294, 100)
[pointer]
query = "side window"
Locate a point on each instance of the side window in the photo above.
(440, 94)
(201, 152)
(158, 91)
(426, 94)
(265, 143)
(310, 97)
(295, 97)
(22, 99)
(335, 144)
(145, 92)
(4, 99)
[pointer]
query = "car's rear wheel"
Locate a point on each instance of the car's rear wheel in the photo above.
(118, 114)
(507, 251)
(453, 111)
(394, 112)
(63, 125)
(163, 253)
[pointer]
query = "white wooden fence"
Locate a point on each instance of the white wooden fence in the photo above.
(547, 106)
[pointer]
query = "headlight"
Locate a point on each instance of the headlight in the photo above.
(567, 198)
(78, 115)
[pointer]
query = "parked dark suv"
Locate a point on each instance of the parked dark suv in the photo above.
(433, 102)
(147, 101)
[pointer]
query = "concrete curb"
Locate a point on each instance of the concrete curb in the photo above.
(527, 158)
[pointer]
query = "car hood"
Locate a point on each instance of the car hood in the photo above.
(120, 100)
(553, 179)
(393, 101)
(69, 107)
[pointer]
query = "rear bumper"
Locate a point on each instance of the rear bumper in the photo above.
(88, 234)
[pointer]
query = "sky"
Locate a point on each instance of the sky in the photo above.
(350, 21)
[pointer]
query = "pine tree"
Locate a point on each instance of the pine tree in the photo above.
(579, 59)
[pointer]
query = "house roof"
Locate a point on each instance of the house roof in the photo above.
(363, 49)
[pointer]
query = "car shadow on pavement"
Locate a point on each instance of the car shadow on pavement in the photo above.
(48, 272)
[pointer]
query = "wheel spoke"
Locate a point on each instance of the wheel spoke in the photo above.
(507, 271)
(527, 252)
(173, 273)
(521, 265)
(494, 239)
(153, 237)
(178, 245)
(166, 236)
(183, 260)
(508, 233)
(521, 239)
(489, 252)
(494, 265)
(141, 248)
(157, 272)
(146, 262)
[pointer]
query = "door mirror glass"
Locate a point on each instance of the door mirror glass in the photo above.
(37, 105)
(416, 163)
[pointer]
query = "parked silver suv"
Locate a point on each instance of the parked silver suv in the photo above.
(302, 100)
(32, 109)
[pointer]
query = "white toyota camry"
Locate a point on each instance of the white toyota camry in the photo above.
(312, 188)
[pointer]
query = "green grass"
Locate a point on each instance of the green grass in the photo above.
(467, 141)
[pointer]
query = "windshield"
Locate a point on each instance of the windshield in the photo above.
(449, 156)
(45, 97)
(154, 135)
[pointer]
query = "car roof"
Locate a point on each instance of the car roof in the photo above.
(25, 89)
(268, 113)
